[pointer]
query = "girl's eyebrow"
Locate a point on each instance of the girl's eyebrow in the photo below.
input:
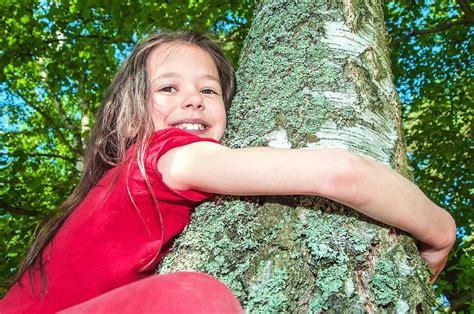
(175, 74)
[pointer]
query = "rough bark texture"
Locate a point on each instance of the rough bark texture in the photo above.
(312, 74)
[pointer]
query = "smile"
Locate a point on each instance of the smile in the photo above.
(190, 126)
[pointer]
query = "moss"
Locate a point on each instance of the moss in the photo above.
(335, 240)
(330, 282)
(277, 71)
(312, 138)
(372, 61)
(384, 283)
(211, 234)
(267, 295)
(280, 120)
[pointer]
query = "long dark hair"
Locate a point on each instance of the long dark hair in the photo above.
(123, 119)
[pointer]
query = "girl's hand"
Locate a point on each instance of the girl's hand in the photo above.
(436, 255)
(436, 258)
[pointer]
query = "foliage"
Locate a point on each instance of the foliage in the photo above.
(434, 77)
(58, 57)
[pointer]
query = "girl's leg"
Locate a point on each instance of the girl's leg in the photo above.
(181, 292)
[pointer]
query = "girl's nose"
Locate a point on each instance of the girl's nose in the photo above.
(194, 101)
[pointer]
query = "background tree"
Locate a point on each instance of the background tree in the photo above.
(432, 59)
(63, 55)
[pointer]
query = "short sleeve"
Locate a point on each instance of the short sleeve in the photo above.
(162, 142)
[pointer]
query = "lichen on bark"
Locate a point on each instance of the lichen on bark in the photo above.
(312, 74)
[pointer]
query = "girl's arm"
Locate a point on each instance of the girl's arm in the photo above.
(365, 185)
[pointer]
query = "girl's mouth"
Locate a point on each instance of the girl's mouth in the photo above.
(190, 126)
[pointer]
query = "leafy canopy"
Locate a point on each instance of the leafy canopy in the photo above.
(58, 57)
(432, 62)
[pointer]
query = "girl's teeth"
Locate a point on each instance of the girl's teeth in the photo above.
(191, 126)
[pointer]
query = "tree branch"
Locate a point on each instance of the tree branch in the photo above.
(95, 36)
(460, 303)
(431, 30)
(69, 124)
(19, 211)
(71, 160)
(48, 119)
(467, 9)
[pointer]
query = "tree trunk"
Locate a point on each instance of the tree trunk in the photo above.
(312, 74)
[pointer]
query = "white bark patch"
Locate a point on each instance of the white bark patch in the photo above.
(267, 271)
(375, 135)
(349, 287)
(339, 37)
(338, 99)
(405, 269)
(278, 139)
(402, 307)
(85, 123)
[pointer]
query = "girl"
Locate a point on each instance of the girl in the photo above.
(153, 156)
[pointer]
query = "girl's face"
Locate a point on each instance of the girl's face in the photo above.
(185, 90)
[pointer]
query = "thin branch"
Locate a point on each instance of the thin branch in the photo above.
(6, 283)
(466, 9)
(19, 211)
(57, 40)
(431, 30)
(71, 160)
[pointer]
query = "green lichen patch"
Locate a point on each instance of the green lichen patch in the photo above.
(384, 283)
(331, 239)
(415, 274)
(210, 243)
(330, 283)
(280, 65)
(399, 278)
(222, 241)
(268, 294)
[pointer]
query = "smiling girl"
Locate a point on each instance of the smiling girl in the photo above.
(153, 156)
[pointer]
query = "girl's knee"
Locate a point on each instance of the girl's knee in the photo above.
(186, 292)
(181, 292)
(196, 292)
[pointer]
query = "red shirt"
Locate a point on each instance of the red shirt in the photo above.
(106, 241)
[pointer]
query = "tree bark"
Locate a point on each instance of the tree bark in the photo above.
(312, 74)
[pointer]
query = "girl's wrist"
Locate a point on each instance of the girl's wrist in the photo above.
(443, 231)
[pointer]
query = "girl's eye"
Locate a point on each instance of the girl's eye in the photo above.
(208, 91)
(168, 89)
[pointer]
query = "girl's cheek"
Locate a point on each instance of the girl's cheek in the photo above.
(155, 99)
(158, 103)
